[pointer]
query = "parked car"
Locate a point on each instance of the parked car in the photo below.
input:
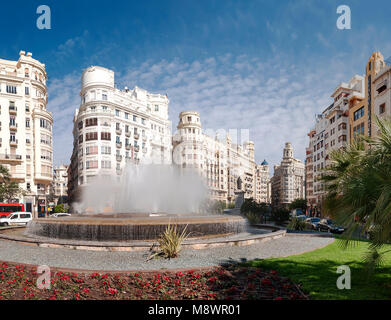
(16, 218)
(327, 225)
(312, 222)
(296, 213)
(301, 217)
(60, 214)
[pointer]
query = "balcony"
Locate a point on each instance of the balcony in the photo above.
(145, 150)
(118, 131)
(118, 157)
(13, 110)
(119, 144)
(13, 143)
(128, 146)
(136, 136)
(127, 133)
(10, 158)
(13, 126)
(136, 148)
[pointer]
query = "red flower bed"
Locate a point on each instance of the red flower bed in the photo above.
(18, 282)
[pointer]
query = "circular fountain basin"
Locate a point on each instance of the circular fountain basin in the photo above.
(131, 227)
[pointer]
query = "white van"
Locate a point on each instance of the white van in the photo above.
(16, 219)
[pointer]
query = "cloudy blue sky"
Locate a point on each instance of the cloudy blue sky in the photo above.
(267, 66)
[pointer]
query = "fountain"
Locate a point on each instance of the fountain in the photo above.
(139, 205)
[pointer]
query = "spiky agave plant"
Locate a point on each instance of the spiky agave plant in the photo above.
(170, 241)
(358, 185)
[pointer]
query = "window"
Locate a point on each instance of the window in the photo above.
(382, 108)
(126, 115)
(91, 122)
(26, 72)
(117, 139)
(91, 150)
(106, 150)
(81, 138)
(105, 136)
(27, 91)
(104, 95)
(134, 118)
(43, 123)
(117, 112)
(106, 164)
(11, 89)
(80, 125)
(27, 108)
(156, 107)
(358, 114)
(91, 136)
(142, 120)
(92, 164)
(27, 122)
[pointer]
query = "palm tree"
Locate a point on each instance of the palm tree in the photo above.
(358, 185)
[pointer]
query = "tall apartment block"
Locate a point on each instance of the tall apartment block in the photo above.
(287, 183)
(226, 167)
(113, 127)
(60, 184)
(26, 129)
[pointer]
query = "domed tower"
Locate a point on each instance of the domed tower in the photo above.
(249, 145)
(288, 151)
(94, 81)
(189, 124)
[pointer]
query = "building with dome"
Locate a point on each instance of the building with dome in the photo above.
(287, 183)
(26, 148)
(228, 168)
(116, 126)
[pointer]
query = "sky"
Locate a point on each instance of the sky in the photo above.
(266, 66)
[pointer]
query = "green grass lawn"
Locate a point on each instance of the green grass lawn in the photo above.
(316, 271)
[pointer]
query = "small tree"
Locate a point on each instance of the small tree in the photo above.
(298, 204)
(9, 189)
(59, 208)
(280, 215)
(254, 211)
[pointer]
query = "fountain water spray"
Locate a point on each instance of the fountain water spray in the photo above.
(145, 188)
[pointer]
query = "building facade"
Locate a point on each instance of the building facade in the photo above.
(330, 133)
(60, 184)
(287, 183)
(26, 129)
(114, 127)
(382, 98)
(227, 167)
(362, 109)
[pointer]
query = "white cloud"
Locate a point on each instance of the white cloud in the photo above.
(274, 99)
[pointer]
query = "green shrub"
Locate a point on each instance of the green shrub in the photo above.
(297, 224)
(280, 215)
(253, 218)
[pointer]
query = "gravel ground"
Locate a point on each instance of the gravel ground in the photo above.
(122, 261)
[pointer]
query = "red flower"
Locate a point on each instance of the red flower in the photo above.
(278, 298)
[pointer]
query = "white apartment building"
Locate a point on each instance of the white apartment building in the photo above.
(382, 86)
(287, 183)
(26, 129)
(227, 167)
(262, 183)
(330, 133)
(113, 127)
(337, 134)
(60, 184)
